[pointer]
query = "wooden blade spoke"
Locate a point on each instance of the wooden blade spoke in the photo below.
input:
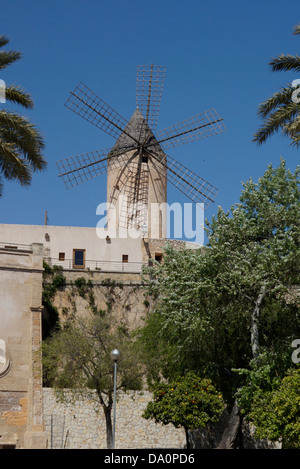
(189, 183)
(77, 169)
(88, 105)
(203, 125)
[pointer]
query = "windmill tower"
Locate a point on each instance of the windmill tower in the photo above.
(137, 165)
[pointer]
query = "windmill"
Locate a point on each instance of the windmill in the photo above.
(137, 166)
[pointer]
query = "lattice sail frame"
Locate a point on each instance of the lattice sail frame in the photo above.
(150, 80)
(75, 170)
(149, 88)
(202, 125)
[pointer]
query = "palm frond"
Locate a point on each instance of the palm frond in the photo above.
(12, 166)
(7, 58)
(278, 120)
(286, 63)
(297, 29)
(3, 41)
(292, 130)
(282, 97)
(21, 143)
(280, 112)
(16, 130)
(17, 95)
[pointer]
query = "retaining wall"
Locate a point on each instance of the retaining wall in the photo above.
(80, 426)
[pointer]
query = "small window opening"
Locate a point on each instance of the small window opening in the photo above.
(61, 256)
(125, 258)
(158, 256)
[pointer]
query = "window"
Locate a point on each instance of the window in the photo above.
(61, 256)
(158, 256)
(78, 258)
(4, 360)
(125, 258)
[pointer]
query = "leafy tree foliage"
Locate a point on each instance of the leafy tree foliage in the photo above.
(228, 306)
(256, 250)
(217, 308)
(189, 402)
(272, 403)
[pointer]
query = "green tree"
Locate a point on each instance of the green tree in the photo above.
(177, 313)
(189, 402)
(217, 308)
(272, 403)
(76, 360)
(187, 323)
(21, 144)
(280, 112)
(255, 247)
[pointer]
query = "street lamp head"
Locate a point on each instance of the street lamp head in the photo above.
(144, 229)
(115, 355)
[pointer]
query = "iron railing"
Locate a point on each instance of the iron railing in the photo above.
(101, 265)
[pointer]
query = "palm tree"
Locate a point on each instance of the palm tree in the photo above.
(21, 144)
(280, 112)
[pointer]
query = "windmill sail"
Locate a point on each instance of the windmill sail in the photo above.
(149, 88)
(203, 125)
(80, 168)
(137, 165)
(194, 187)
(88, 105)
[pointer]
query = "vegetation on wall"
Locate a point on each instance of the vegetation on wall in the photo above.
(77, 357)
(53, 280)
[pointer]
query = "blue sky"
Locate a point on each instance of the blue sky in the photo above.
(216, 54)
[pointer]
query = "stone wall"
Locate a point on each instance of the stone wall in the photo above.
(80, 426)
(123, 294)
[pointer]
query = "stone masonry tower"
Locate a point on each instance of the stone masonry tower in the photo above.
(137, 183)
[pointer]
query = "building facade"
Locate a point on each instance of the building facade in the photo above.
(23, 249)
(21, 400)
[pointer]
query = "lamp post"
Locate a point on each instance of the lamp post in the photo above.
(115, 355)
(144, 229)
